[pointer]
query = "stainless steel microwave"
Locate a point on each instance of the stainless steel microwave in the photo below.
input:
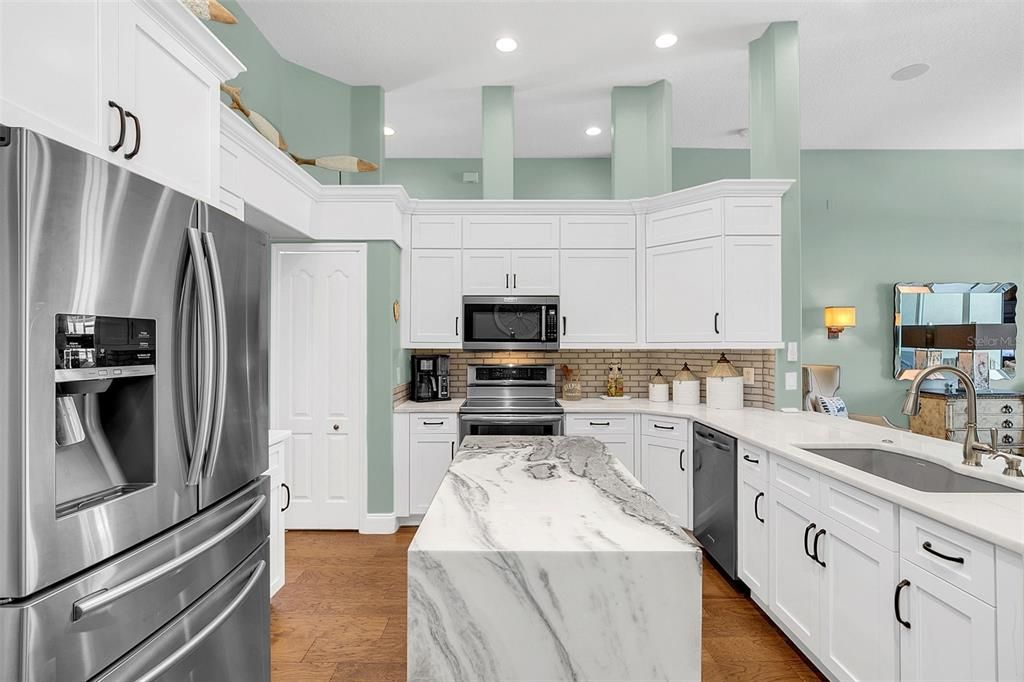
(510, 323)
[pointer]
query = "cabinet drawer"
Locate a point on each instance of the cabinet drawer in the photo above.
(696, 221)
(870, 516)
(799, 481)
(664, 427)
(597, 423)
(958, 558)
(1004, 437)
(434, 423)
(753, 461)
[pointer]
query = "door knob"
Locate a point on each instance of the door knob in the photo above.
(336, 427)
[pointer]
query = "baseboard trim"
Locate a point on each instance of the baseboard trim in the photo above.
(378, 524)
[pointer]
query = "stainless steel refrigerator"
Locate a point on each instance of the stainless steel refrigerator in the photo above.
(133, 426)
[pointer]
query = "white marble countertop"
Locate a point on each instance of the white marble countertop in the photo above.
(543, 494)
(278, 435)
(452, 405)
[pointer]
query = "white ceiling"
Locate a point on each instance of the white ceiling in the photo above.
(432, 57)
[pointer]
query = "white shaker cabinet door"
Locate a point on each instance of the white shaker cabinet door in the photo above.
(598, 296)
(429, 459)
(858, 630)
(752, 536)
(795, 576)
(684, 292)
(534, 272)
(753, 289)
(951, 635)
(665, 475)
(486, 272)
(436, 294)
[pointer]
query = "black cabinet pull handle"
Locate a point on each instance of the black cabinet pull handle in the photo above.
(756, 515)
(716, 322)
(120, 138)
(138, 135)
(453, 451)
(289, 502)
(817, 536)
(927, 546)
(456, 325)
(807, 533)
(563, 325)
(664, 428)
(896, 603)
(750, 459)
(681, 467)
(600, 423)
(506, 280)
(514, 276)
(426, 423)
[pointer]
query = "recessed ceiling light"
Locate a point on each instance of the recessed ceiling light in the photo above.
(506, 44)
(388, 131)
(910, 72)
(665, 40)
(593, 130)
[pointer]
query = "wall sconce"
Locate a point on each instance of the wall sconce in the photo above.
(838, 318)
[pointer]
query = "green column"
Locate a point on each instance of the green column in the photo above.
(775, 153)
(367, 132)
(641, 140)
(498, 149)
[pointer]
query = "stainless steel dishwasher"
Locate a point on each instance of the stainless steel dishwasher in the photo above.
(714, 495)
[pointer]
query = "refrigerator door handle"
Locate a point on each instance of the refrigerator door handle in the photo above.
(103, 598)
(202, 434)
(221, 340)
(209, 628)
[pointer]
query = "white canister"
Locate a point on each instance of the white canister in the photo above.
(725, 386)
(657, 390)
(686, 387)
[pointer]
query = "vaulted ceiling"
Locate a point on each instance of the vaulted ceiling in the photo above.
(432, 57)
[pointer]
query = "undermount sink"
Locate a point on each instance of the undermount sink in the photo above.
(914, 473)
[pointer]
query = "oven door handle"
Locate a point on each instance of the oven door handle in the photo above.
(511, 418)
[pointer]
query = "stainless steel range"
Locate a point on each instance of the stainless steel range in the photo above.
(510, 400)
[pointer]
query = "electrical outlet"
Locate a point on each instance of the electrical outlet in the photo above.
(790, 381)
(748, 376)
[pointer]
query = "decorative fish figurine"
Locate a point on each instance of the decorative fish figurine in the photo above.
(339, 162)
(210, 10)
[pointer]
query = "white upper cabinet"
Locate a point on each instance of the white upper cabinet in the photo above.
(436, 232)
(685, 223)
(684, 292)
(486, 273)
(753, 215)
(535, 272)
(598, 232)
(752, 289)
(69, 69)
(436, 297)
(598, 296)
(509, 232)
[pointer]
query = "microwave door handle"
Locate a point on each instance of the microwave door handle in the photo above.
(221, 334)
(543, 323)
(205, 422)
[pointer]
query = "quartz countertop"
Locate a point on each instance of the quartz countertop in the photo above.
(452, 405)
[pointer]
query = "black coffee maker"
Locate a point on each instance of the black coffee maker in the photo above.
(430, 378)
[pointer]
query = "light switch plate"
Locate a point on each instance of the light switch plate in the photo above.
(790, 381)
(792, 352)
(748, 376)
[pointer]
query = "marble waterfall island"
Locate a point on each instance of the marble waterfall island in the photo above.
(542, 558)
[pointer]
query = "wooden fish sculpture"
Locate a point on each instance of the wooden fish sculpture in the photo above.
(210, 10)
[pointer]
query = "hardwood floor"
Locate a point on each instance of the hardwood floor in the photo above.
(341, 616)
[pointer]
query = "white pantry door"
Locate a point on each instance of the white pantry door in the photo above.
(318, 379)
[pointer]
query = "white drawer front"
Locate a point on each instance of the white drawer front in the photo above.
(870, 516)
(958, 558)
(799, 481)
(598, 423)
(753, 461)
(434, 423)
(672, 428)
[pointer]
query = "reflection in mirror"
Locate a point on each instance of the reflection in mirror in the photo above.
(967, 325)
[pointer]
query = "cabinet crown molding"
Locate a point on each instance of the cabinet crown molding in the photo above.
(195, 37)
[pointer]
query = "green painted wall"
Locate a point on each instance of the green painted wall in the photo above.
(434, 178)
(563, 178)
(775, 153)
(498, 142)
(366, 132)
(691, 167)
(641, 140)
(874, 218)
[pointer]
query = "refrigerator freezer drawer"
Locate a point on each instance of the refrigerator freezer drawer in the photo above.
(223, 636)
(75, 630)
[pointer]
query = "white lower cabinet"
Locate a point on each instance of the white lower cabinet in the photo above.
(665, 474)
(430, 455)
(795, 575)
(948, 634)
(752, 535)
(280, 498)
(614, 430)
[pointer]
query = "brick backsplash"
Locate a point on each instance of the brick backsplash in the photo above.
(401, 393)
(638, 366)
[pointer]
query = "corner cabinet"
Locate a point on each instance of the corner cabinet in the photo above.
(134, 82)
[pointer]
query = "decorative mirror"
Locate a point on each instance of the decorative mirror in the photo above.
(970, 326)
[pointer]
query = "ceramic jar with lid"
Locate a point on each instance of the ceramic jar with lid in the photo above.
(685, 387)
(725, 386)
(657, 389)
